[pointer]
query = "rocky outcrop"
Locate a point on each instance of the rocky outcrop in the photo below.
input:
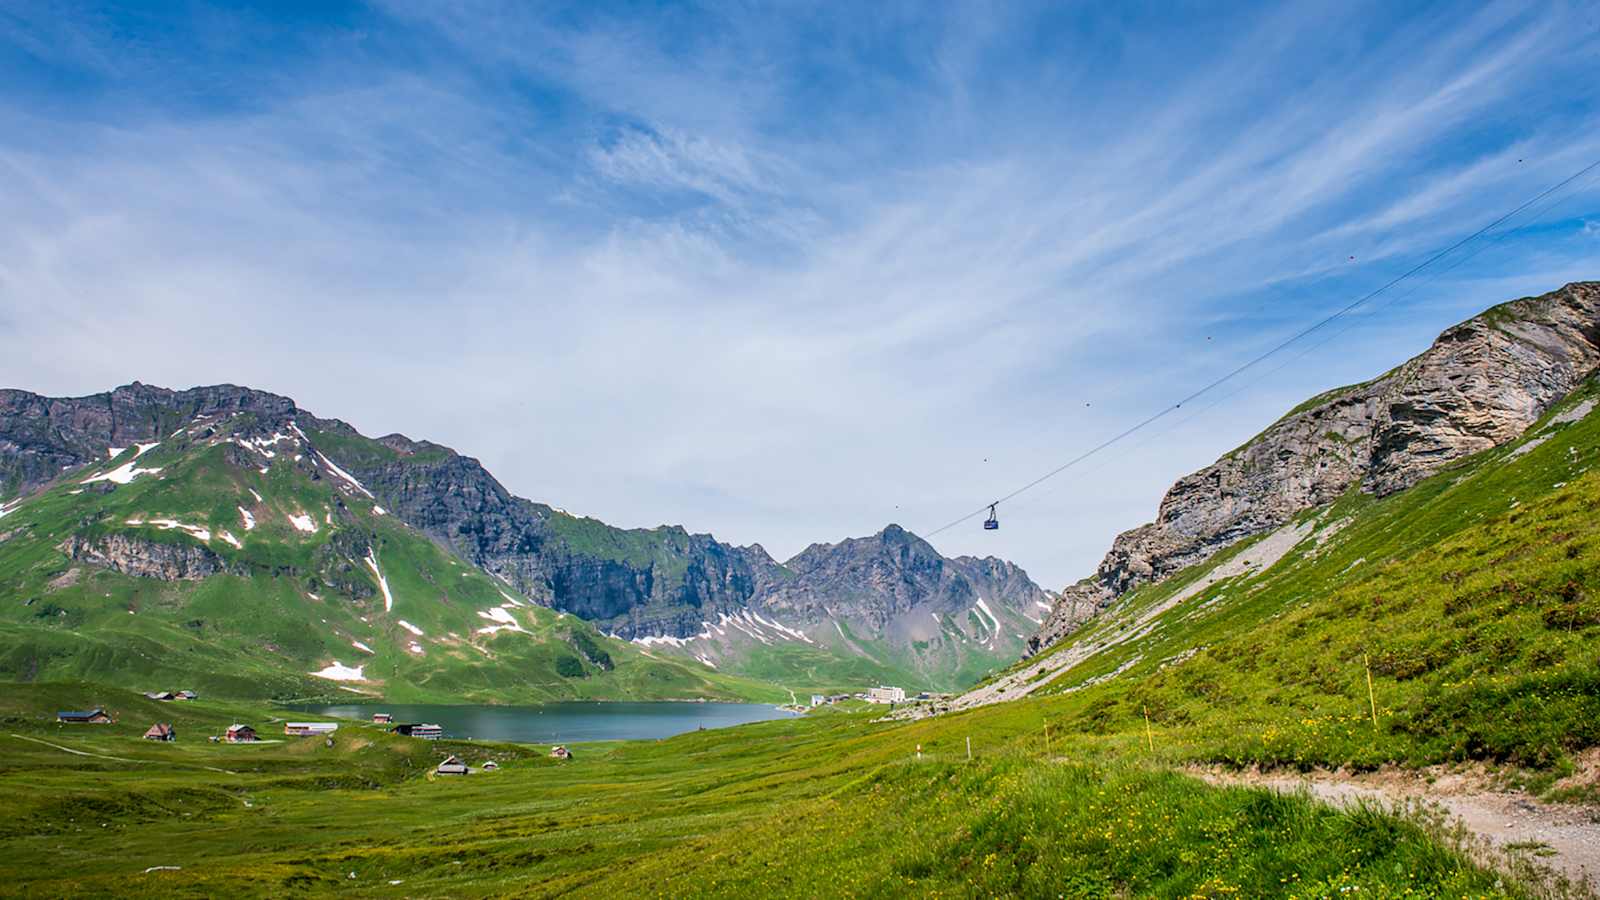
(1482, 383)
(144, 558)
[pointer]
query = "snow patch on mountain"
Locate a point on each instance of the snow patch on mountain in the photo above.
(343, 475)
(668, 640)
(338, 672)
(195, 531)
(503, 620)
(129, 470)
(383, 583)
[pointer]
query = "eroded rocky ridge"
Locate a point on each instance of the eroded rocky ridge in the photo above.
(144, 558)
(1480, 384)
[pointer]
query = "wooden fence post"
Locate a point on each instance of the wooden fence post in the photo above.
(1372, 698)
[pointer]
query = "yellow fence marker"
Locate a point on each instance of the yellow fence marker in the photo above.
(1148, 737)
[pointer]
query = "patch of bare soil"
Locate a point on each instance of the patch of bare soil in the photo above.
(66, 579)
(1510, 829)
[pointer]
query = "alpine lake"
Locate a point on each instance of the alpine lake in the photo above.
(566, 722)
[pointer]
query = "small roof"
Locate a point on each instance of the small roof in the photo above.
(162, 728)
(81, 714)
(237, 727)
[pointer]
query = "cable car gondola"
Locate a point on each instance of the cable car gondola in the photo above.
(991, 523)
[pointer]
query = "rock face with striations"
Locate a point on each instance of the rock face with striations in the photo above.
(1482, 383)
(145, 559)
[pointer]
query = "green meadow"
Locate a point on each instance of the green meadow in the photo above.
(832, 804)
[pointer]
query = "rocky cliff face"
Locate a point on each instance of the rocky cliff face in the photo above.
(1482, 383)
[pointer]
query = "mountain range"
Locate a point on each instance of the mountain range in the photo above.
(144, 492)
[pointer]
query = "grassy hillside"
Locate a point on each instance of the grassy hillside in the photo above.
(303, 558)
(1472, 598)
(830, 804)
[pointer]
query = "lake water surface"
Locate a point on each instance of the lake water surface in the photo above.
(570, 722)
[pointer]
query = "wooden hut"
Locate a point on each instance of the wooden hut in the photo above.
(240, 734)
(452, 766)
(161, 731)
(559, 752)
(96, 716)
(307, 729)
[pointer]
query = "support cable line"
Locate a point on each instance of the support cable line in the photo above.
(989, 508)
(1532, 219)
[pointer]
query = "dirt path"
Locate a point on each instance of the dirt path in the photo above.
(1563, 838)
(23, 737)
(72, 751)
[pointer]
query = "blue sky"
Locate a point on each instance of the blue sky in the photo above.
(784, 272)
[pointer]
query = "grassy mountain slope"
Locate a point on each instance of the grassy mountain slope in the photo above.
(1474, 598)
(296, 595)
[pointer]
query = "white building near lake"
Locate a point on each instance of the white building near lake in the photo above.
(883, 694)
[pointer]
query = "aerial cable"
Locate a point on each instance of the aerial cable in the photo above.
(988, 508)
(1330, 338)
(1431, 277)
